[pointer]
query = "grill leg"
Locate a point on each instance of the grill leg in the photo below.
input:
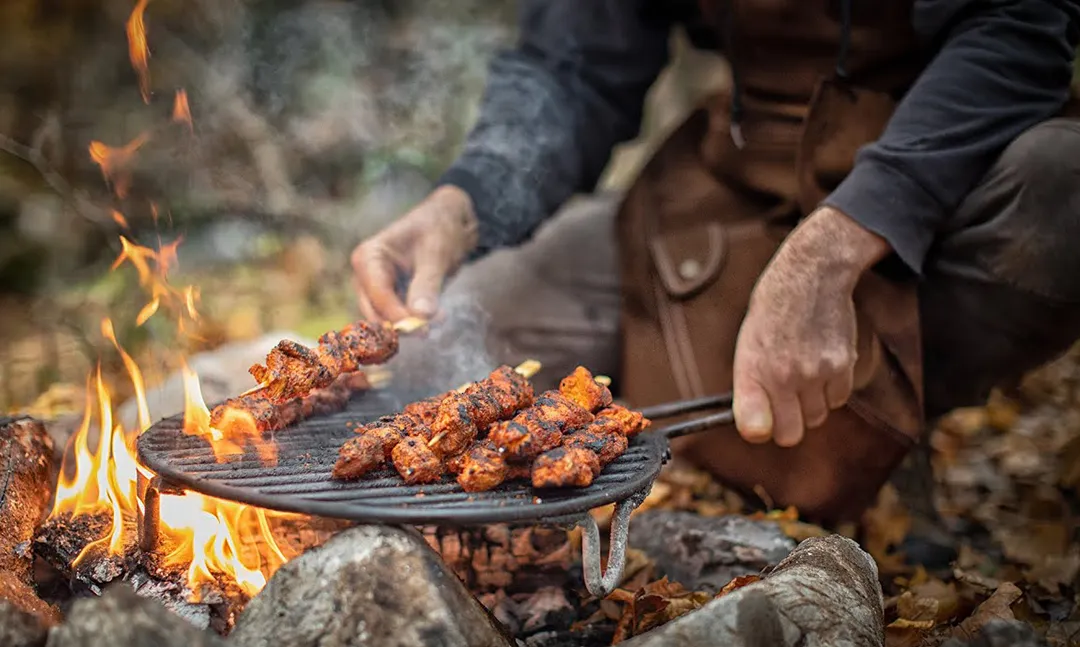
(600, 583)
(150, 516)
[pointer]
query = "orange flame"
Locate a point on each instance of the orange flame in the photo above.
(181, 111)
(204, 534)
(229, 435)
(139, 49)
(115, 162)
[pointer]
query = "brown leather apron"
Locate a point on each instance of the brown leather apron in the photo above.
(705, 216)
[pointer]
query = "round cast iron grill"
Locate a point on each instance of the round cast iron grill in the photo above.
(300, 482)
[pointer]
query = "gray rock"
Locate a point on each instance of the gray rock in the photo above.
(122, 618)
(20, 629)
(825, 593)
(222, 374)
(705, 553)
(370, 585)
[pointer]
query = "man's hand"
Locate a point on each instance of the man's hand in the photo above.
(796, 351)
(428, 243)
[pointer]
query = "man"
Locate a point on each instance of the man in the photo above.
(920, 147)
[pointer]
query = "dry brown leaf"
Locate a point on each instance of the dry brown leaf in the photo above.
(931, 600)
(997, 607)
(655, 604)
(737, 583)
(884, 526)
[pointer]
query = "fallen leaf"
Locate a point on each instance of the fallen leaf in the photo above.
(904, 623)
(737, 583)
(996, 607)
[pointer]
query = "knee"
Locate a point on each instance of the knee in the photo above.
(1044, 164)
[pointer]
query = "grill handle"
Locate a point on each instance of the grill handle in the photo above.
(680, 407)
(696, 425)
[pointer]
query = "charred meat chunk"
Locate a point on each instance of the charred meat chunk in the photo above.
(525, 436)
(629, 422)
(556, 408)
(606, 443)
(484, 468)
(358, 456)
(415, 461)
(565, 467)
(582, 388)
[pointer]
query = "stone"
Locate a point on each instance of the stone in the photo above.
(20, 629)
(705, 553)
(375, 586)
(826, 592)
(122, 618)
(223, 373)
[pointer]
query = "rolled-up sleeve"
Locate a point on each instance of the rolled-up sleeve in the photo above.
(998, 68)
(554, 108)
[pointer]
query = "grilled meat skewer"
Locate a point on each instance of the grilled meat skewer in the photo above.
(270, 416)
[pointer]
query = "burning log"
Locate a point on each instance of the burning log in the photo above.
(26, 469)
(826, 592)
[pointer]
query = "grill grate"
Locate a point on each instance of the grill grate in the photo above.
(301, 482)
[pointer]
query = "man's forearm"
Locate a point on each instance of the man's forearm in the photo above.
(1003, 68)
(554, 108)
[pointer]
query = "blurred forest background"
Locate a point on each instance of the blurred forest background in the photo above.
(313, 124)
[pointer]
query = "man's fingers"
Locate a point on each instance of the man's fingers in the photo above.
(376, 274)
(814, 408)
(787, 418)
(367, 311)
(427, 282)
(752, 409)
(838, 389)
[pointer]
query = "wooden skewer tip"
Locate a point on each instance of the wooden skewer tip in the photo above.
(410, 324)
(528, 368)
(603, 380)
(435, 439)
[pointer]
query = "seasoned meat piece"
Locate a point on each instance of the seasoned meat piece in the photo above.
(556, 408)
(388, 434)
(454, 464)
(416, 462)
(484, 468)
(425, 410)
(580, 387)
(292, 370)
(565, 467)
(270, 415)
(630, 422)
(407, 424)
(518, 471)
(509, 388)
(358, 456)
(453, 427)
(598, 438)
(525, 436)
(484, 409)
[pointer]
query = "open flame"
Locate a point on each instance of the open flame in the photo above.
(139, 49)
(100, 473)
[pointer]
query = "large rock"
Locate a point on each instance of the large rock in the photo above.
(122, 618)
(825, 593)
(705, 553)
(20, 629)
(372, 586)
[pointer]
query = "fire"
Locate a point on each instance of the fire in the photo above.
(139, 49)
(209, 538)
(181, 111)
(114, 162)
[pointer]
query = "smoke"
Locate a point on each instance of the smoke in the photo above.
(452, 352)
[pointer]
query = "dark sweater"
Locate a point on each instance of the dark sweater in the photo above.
(574, 87)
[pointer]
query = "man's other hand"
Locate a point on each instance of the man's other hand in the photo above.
(796, 351)
(426, 244)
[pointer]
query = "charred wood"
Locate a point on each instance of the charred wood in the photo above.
(499, 557)
(26, 470)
